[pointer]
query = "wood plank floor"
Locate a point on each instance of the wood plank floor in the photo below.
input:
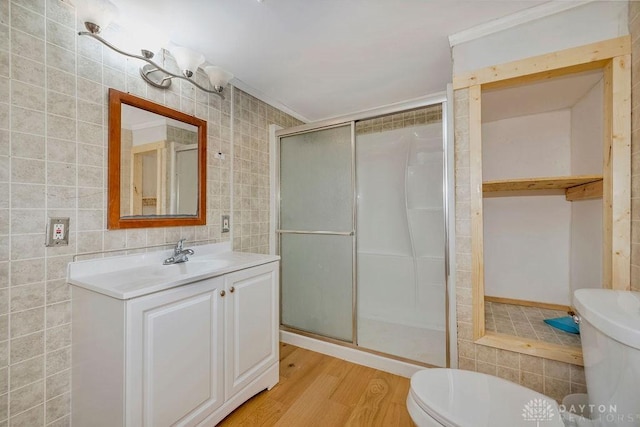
(319, 390)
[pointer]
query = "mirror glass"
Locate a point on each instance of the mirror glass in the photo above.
(156, 164)
(159, 165)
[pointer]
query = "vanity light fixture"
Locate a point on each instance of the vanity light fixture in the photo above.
(96, 16)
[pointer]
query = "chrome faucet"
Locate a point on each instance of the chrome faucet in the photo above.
(179, 254)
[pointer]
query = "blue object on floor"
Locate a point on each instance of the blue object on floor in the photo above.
(565, 323)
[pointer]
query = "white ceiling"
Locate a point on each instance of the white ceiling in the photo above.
(324, 58)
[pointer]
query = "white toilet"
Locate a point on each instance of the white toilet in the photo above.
(610, 333)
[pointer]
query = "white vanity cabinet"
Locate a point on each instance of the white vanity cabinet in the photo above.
(188, 355)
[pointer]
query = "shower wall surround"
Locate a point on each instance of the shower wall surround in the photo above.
(53, 156)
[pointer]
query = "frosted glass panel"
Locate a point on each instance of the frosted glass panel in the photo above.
(315, 181)
(317, 284)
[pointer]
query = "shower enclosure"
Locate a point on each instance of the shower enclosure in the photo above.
(362, 232)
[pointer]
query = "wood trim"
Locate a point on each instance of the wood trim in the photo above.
(135, 196)
(541, 183)
(543, 349)
(589, 191)
(545, 75)
(525, 303)
(475, 182)
(607, 187)
(572, 58)
(621, 172)
(114, 221)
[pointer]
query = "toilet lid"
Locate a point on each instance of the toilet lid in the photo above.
(457, 398)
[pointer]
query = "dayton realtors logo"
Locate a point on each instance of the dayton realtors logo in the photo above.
(538, 410)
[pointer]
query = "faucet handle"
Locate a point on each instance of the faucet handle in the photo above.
(179, 246)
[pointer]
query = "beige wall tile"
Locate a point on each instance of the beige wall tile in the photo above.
(58, 338)
(27, 46)
(58, 384)
(58, 314)
(27, 372)
(27, 322)
(486, 368)
(27, 271)
(27, 121)
(58, 407)
(26, 297)
(29, 418)
(4, 327)
(61, 81)
(27, 20)
(60, 35)
(60, 104)
(557, 370)
(27, 196)
(4, 380)
(508, 374)
(532, 381)
(27, 171)
(26, 397)
(4, 406)
(556, 389)
(27, 145)
(58, 360)
(27, 96)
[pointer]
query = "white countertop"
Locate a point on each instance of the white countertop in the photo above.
(132, 276)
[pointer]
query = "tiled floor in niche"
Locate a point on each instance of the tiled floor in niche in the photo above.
(527, 322)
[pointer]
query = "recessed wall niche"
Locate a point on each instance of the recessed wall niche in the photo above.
(549, 173)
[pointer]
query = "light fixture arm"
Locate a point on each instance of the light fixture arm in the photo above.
(165, 81)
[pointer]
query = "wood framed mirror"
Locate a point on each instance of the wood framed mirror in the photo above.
(157, 165)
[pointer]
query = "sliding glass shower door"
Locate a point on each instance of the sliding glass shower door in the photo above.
(316, 231)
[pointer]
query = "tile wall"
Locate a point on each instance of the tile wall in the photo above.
(252, 118)
(554, 379)
(634, 29)
(53, 142)
(420, 116)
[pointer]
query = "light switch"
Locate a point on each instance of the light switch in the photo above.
(225, 223)
(57, 232)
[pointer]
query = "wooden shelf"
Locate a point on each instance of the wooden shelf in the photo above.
(578, 187)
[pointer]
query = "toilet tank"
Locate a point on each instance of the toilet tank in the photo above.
(610, 334)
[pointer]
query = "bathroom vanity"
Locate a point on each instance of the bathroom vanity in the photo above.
(182, 344)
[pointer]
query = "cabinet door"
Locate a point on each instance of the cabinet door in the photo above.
(251, 334)
(174, 361)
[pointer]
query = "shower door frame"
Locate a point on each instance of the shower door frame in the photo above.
(351, 120)
(353, 233)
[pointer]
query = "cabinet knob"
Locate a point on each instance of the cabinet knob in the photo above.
(232, 289)
(222, 293)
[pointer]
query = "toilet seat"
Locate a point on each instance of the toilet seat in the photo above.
(457, 398)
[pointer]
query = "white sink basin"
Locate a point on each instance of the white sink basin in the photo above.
(191, 267)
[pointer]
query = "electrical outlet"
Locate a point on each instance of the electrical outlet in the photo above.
(57, 232)
(225, 224)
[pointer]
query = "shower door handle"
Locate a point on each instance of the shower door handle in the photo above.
(327, 233)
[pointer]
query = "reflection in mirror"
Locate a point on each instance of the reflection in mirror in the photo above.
(157, 165)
